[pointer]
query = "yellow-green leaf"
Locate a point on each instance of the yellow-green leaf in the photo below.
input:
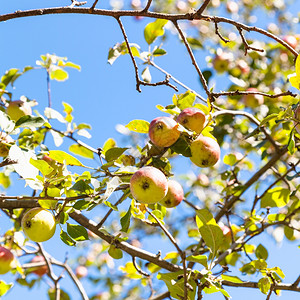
(82, 151)
(61, 157)
(140, 126)
(154, 29)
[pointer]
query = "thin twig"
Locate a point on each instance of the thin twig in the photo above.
(247, 46)
(131, 55)
(94, 5)
(194, 62)
(202, 7)
(138, 268)
(121, 199)
(219, 34)
(147, 6)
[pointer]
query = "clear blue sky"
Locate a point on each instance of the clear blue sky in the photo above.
(102, 95)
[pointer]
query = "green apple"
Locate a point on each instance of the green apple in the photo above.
(42, 270)
(192, 118)
(163, 131)
(253, 100)
(38, 224)
(174, 195)
(205, 151)
(17, 109)
(148, 185)
(222, 61)
(7, 260)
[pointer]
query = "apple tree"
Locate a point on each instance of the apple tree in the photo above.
(206, 183)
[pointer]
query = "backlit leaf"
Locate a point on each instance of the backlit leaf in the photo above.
(154, 30)
(140, 126)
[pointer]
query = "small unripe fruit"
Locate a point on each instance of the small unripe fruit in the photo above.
(163, 131)
(42, 270)
(6, 260)
(205, 151)
(192, 118)
(38, 224)
(17, 109)
(222, 61)
(174, 195)
(148, 185)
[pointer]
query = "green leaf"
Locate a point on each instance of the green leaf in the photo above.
(58, 74)
(184, 100)
(5, 123)
(234, 279)
(146, 75)
(114, 153)
(110, 143)
(181, 146)
(261, 252)
(82, 204)
(159, 52)
(82, 187)
(264, 285)
(115, 252)
(31, 122)
(176, 286)
(47, 204)
(140, 126)
(63, 295)
(82, 151)
(63, 157)
(63, 217)
(200, 259)
(194, 43)
(210, 231)
(4, 287)
(229, 159)
(291, 143)
(154, 30)
(111, 185)
(125, 220)
(276, 197)
(77, 232)
(267, 119)
(295, 78)
(42, 166)
(66, 238)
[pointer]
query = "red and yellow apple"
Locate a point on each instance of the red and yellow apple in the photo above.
(148, 185)
(38, 224)
(174, 195)
(163, 131)
(7, 260)
(192, 118)
(205, 151)
(42, 270)
(17, 109)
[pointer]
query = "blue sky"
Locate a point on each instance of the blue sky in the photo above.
(102, 95)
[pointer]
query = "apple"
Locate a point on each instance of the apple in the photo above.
(5, 140)
(174, 195)
(163, 131)
(38, 224)
(251, 100)
(81, 271)
(232, 7)
(17, 109)
(7, 260)
(42, 270)
(222, 61)
(202, 180)
(148, 185)
(205, 151)
(291, 40)
(192, 118)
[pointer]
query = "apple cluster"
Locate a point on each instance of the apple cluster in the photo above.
(149, 185)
